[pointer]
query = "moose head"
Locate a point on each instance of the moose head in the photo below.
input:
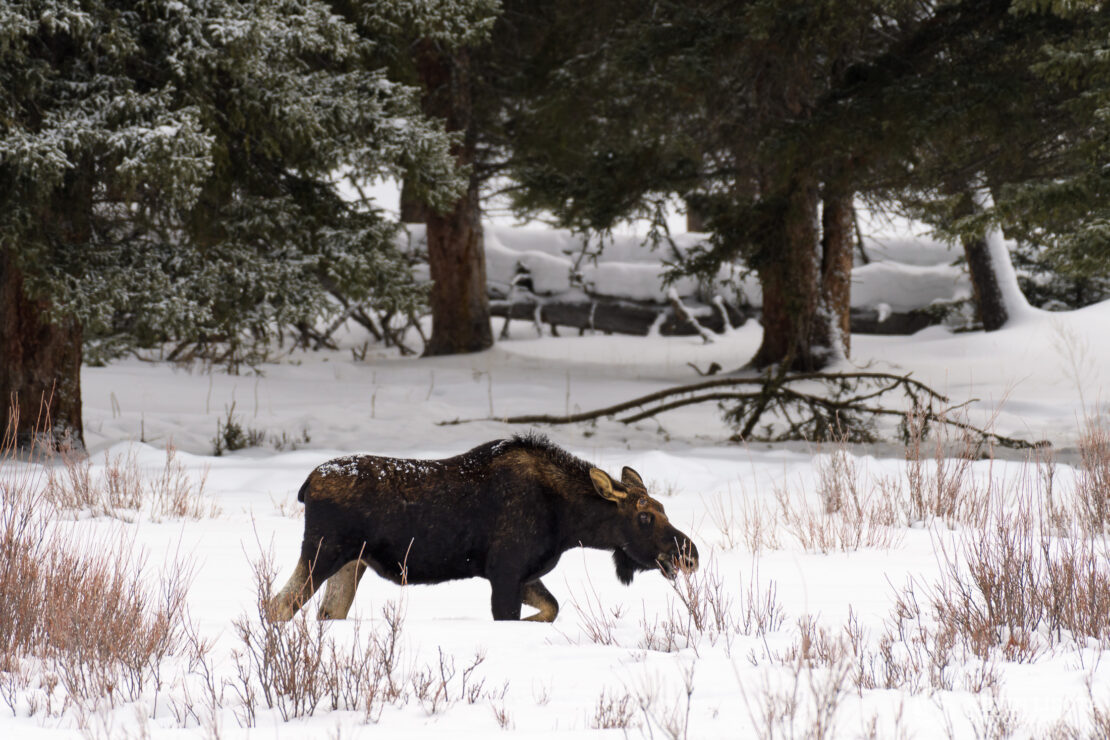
(644, 538)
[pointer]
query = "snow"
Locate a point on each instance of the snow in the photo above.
(902, 287)
(619, 267)
(1038, 378)
(1017, 307)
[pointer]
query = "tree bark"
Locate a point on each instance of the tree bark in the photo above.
(695, 219)
(837, 228)
(456, 255)
(989, 303)
(413, 209)
(984, 284)
(40, 366)
(788, 268)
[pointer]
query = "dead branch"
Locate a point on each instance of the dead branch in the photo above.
(845, 411)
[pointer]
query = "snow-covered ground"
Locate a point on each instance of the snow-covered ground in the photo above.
(649, 669)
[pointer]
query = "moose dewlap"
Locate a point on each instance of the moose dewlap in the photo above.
(504, 511)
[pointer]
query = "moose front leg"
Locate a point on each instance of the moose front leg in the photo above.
(340, 591)
(537, 596)
(506, 598)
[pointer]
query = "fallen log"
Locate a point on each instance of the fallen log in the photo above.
(615, 315)
(624, 316)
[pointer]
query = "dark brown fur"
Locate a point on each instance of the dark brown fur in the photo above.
(505, 511)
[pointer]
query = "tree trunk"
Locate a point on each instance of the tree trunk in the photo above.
(413, 209)
(40, 366)
(989, 303)
(984, 284)
(788, 268)
(695, 219)
(837, 228)
(456, 256)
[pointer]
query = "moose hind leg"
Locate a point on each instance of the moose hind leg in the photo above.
(293, 596)
(315, 566)
(340, 592)
(537, 596)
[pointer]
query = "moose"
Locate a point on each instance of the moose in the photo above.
(504, 511)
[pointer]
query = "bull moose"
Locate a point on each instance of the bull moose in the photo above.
(505, 511)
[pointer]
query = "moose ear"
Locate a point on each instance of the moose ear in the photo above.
(630, 477)
(603, 484)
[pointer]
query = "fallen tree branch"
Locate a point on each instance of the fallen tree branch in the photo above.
(844, 413)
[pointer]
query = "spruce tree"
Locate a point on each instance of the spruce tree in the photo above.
(433, 47)
(168, 171)
(768, 117)
(705, 101)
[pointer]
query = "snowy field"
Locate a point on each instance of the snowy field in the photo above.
(801, 622)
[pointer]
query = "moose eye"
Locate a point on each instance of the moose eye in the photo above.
(645, 518)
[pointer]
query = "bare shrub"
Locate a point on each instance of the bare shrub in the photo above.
(298, 668)
(122, 482)
(595, 621)
(896, 731)
(995, 601)
(1076, 588)
(1007, 592)
(851, 515)
(1023, 589)
(70, 484)
(760, 610)
(119, 491)
(949, 492)
(670, 716)
(995, 719)
(758, 525)
(433, 685)
(79, 609)
(1056, 512)
(501, 713)
(722, 513)
(801, 700)
(917, 653)
(702, 610)
(283, 659)
(202, 709)
(1092, 484)
(613, 712)
(174, 494)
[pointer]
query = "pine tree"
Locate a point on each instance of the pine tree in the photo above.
(168, 171)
